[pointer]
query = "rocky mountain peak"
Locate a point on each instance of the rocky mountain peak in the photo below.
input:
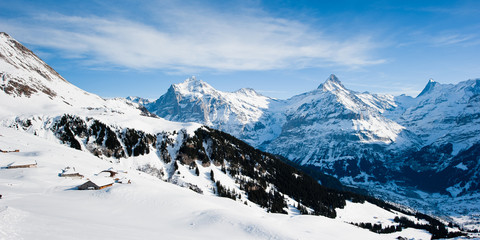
(23, 73)
(4, 34)
(192, 79)
(248, 92)
(333, 78)
(428, 88)
(193, 85)
(331, 84)
(16, 58)
(136, 99)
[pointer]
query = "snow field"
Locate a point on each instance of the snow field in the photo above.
(37, 204)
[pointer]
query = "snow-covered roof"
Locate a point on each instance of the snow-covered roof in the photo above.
(101, 181)
(23, 162)
(102, 174)
(69, 170)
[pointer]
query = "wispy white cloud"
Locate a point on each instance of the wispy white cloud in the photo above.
(186, 39)
(449, 39)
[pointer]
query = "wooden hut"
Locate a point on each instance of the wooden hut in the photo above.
(9, 151)
(112, 172)
(70, 173)
(23, 164)
(96, 184)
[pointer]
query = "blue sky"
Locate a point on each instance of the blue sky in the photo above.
(280, 48)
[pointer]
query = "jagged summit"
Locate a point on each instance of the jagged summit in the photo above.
(333, 78)
(193, 85)
(25, 74)
(193, 78)
(248, 91)
(136, 99)
(428, 88)
(332, 83)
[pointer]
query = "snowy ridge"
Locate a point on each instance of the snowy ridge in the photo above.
(24, 74)
(29, 84)
(138, 100)
(332, 111)
(445, 113)
(244, 105)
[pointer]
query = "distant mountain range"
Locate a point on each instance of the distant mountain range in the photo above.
(429, 143)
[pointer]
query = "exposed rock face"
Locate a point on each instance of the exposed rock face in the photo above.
(16, 61)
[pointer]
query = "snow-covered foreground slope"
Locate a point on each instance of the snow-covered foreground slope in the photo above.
(38, 204)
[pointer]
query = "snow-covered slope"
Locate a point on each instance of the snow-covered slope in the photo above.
(31, 87)
(38, 204)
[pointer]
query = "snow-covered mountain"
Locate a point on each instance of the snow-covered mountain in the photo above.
(443, 113)
(331, 123)
(259, 120)
(56, 128)
(240, 113)
(428, 143)
(32, 83)
(139, 100)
